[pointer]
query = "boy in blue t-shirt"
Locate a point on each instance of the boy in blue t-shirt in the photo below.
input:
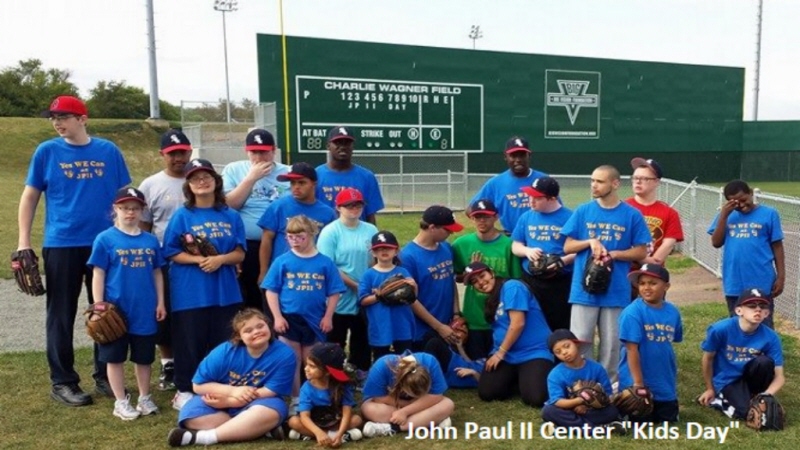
(647, 329)
(741, 358)
(562, 410)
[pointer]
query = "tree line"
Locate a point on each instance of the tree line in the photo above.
(28, 88)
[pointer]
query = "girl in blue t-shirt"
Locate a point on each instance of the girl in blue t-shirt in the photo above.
(520, 355)
(303, 287)
(326, 400)
(126, 271)
(403, 390)
(388, 327)
(240, 386)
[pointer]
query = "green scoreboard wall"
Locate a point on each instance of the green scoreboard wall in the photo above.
(577, 113)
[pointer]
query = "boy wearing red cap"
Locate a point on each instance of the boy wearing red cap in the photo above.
(90, 170)
(429, 260)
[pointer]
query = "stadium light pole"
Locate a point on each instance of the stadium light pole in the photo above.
(226, 6)
(475, 33)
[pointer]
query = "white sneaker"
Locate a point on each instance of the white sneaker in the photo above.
(445, 423)
(296, 436)
(146, 406)
(180, 399)
(373, 429)
(353, 434)
(124, 410)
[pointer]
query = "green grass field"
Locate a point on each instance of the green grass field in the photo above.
(29, 419)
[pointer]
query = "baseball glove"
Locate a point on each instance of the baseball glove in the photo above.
(25, 265)
(591, 392)
(634, 401)
(104, 322)
(459, 326)
(765, 413)
(325, 417)
(395, 291)
(597, 275)
(197, 245)
(547, 266)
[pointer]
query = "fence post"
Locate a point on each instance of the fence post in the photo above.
(449, 186)
(402, 187)
(694, 222)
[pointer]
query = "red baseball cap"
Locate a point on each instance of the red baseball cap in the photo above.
(66, 104)
(348, 196)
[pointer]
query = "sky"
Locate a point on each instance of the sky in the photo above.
(107, 39)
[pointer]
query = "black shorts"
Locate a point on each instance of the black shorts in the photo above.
(299, 330)
(143, 350)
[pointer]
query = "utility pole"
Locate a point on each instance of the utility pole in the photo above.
(757, 80)
(155, 109)
(226, 6)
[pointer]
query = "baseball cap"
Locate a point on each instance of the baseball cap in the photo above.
(174, 140)
(443, 217)
(259, 140)
(348, 196)
(649, 163)
(297, 171)
(384, 239)
(198, 164)
(517, 144)
(128, 193)
(483, 207)
(332, 357)
(560, 335)
(654, 270)
(753, 296)
(543, 187)
(66, 104)
(473, 270)
(340, 133)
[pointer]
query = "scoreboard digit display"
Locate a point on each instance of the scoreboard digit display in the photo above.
(390, 115)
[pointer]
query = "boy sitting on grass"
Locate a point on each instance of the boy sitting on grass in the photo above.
(560, 409)
(741, 358)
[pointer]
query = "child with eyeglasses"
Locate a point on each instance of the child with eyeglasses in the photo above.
(303, 287)
(742, 357)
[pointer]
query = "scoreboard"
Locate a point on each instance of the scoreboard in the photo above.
(390, 115)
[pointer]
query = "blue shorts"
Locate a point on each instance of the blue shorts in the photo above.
(143, 350)
(196, 407)
(299, 330)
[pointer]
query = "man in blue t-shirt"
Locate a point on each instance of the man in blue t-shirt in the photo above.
(90, 170)
(302, 179)
(340, 173)
(505, 189)
(609, 231)
(752, 246)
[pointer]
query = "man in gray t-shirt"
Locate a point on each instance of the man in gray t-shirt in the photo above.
(164, 195)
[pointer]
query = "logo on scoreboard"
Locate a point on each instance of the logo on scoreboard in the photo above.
(572, 104)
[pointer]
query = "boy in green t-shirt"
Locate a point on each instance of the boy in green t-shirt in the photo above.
(493, 248)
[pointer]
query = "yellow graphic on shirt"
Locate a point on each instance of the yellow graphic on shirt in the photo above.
(744, 230)
(304, 281)
(441, 271)
(83, 169)
(659, 332)
(736, 353)
(519, 200)
(136, 258)
(543, 233)
(605, 232)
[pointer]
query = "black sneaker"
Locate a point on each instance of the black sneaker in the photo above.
(102, 387)
(166, 380)
(70, 395)
(176, 435)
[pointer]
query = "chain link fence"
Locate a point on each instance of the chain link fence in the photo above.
(218, 141)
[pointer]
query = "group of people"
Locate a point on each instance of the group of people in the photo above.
(298, 265)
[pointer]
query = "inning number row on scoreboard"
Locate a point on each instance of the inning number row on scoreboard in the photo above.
(390, 115)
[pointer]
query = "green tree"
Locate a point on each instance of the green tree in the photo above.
(27, 89)
(117, 100)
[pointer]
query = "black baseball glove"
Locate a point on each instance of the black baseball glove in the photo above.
(547, 266)
(395, 290)
(597, 275)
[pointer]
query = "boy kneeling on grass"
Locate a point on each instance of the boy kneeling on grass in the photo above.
(561, 410)
(741, 358)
